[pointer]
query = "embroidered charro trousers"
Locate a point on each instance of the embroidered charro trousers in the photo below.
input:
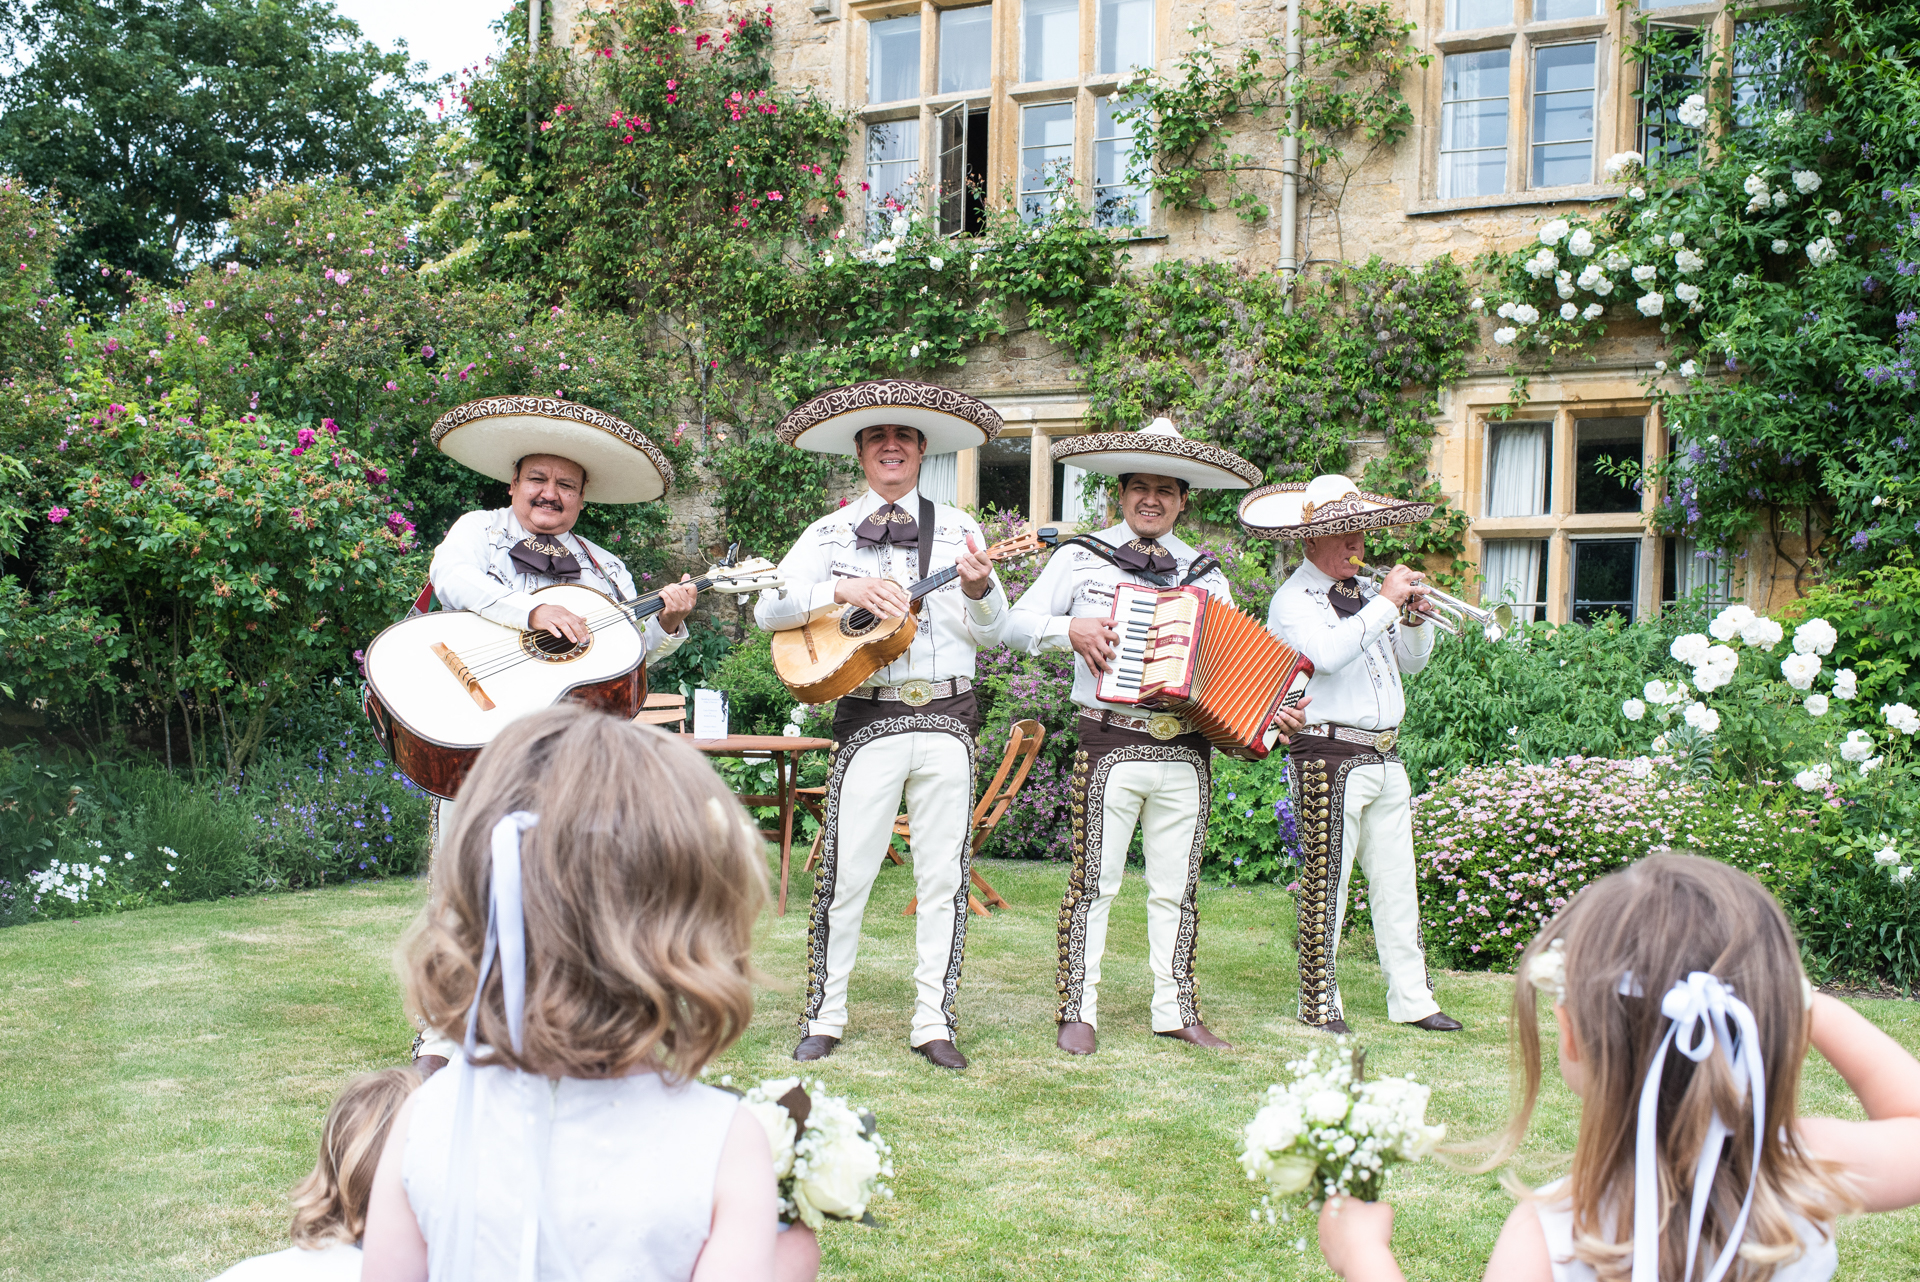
(1371, 804)
(932, 773)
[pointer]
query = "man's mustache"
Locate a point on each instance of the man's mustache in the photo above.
(555, 504)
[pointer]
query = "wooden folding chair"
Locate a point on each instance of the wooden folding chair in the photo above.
(662, 709)
(1023, 746)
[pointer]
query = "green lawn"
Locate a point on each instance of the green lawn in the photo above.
(165, 1072)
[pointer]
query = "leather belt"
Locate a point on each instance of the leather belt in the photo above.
(1161, 725)
(1378, 740)
(914, 693)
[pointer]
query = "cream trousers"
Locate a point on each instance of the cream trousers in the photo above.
(1377, 830)
(932, 772)
(1164, 798)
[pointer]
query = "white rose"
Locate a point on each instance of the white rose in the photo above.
(1504, 311)
(936, 263)
(1603, 287)
(1816, 705)
(1593, 312)
(1678, 239)
(1645, 273)
(1525, 314)
(1780, 198)
(1886, 856)
(839, 1175)
(1656, 692)
(1588, 275)
(1276, 1126)
(1688, 369)
(779, 1127)
(1478, 304)
(1327, 1107)
(1615, 260)
(1815, 636)
(899, 226)
(1781, 246)
(1726, 625)
(1688, 261)
(1901, 717)
(1633, 709)
(1621, 162)
(1761, 632)
(1545, 263)
(1569, 311)
(1806, 182)
(1808, 781)
(1687, 293)
(1833, 218)
(1870, 765)
(1659, 367)
(826, 260)
(1903, 872)
(1756, 184)
(1845, 685)
(1563, 285)
(1822, 251)
(1650, 304)
(1800, 670)
(1580, 244)
(1505, 334)
(1693, 112)
(1720, 656)
(1689, 649)
(1636, 193)
(1858, 747)
(1554, 232)
(1702, 718)
(1291, 1173)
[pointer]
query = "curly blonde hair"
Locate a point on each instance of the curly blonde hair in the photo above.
(330, 1205)
(641, 885)
(1660, 920)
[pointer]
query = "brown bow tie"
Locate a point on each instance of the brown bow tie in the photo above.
(1144, 556)
(888, 525)
(1344, 596)
(535, 555)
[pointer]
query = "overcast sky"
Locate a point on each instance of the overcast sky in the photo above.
(445, 34)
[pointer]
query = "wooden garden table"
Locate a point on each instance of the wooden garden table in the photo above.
(784, 751)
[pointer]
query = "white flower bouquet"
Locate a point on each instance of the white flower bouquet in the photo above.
(1331, 1132)
(828, 1157)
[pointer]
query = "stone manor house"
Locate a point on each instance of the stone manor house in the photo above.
(1516, 114)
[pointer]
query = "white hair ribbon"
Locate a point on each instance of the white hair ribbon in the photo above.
(1705, 1015)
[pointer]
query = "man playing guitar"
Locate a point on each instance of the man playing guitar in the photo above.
(908, 732)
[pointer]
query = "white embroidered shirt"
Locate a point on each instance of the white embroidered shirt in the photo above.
(1357, 660)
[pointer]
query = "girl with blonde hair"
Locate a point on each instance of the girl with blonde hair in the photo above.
(591, 928)
(1684, 1017)
(330, 1205)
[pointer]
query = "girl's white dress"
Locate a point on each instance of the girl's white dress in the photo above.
(1817, 1264)
(339, 1262)
(629, 1172)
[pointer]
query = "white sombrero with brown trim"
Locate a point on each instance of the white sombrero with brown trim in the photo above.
(951, 420)
(1160, 450)
(1329, 504)
(491, 436)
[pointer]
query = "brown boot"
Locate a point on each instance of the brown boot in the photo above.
(1076, 1038)
(818, 1046)
(1198, 1035)
(1337, 1027)
(941, 1053)
(1438, 1022)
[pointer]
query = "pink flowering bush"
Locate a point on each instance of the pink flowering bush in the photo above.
(1501, 848)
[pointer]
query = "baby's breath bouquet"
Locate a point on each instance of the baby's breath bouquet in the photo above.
(1330, 1131)
(829, 1158)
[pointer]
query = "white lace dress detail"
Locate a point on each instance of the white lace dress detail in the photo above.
(1817, 1263)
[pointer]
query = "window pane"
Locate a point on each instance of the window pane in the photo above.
(893, 59)
(1126, 35)
(893, 167)
(1671, 72)
(1548, 10)
(1046, 157)
(1517, 459)
(1051, 32)
(1600, 444)
(1605, 578)
(1116, 202)
(1515, 571)
(1563, 115)
(1473, 124)
(1006, 474)
(1470, 15)
(966, 48)
(1765, 70)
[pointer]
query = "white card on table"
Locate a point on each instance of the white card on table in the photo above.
(709, 714)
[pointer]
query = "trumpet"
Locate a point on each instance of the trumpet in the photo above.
(1494, 623)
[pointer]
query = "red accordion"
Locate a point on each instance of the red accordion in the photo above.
(1192, 654)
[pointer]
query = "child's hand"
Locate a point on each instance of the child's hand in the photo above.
(1356, 1238)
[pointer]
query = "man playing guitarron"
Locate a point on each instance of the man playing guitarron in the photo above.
(908, 732)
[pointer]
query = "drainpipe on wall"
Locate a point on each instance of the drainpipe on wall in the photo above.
(1289, 164)
(533, 49)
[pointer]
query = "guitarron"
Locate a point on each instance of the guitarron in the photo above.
(440, 686)
(841, 646)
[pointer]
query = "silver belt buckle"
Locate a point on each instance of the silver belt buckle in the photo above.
(1164, 725)
(916, 692)
(1384, 741)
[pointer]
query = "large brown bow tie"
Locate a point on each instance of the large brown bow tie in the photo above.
(888, 525)
(535, 555)
(1345, 598)
(1143, 556)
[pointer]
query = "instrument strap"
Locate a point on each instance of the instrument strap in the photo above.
(926, 533)
(1202, 565)
(618, 595)
(1105, 551)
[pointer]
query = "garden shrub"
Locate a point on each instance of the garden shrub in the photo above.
(1501, 848)
(1857, 909)
(1251, 836)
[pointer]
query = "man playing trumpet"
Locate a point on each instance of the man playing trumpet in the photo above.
(1353, 801)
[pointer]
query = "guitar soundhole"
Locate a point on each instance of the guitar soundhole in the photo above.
(856, 623)
(551, 647)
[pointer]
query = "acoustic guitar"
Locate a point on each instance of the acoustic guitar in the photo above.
(841, 646)
(440, 686)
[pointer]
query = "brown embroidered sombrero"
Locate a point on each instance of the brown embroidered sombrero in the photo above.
(1329, 504)
(1159, 449)
(492, 435)
(951, 420)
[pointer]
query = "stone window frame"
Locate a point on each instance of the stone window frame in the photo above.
(1003, 99)
(1617, 109)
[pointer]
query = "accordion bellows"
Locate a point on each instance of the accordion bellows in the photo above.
(1187, 652)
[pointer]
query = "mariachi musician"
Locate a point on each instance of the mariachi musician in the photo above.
(1131, 767)
(555, 456)
(908, 733)
(1354, 802)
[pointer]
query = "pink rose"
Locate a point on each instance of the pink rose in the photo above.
(57, 515)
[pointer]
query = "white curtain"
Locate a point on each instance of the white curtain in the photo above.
(1072, 506)
(1517, 470)
(940, 478)
(1694, 567)
(1512, 571)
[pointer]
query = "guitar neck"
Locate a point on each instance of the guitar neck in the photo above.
(649, 605)
(940, 578)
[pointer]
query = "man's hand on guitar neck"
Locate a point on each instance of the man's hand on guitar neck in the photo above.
(676, 602)
(1094, 640)
(976, 571)
(560, 621)
(882, 598)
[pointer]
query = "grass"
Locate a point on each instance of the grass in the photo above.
(165, 1073)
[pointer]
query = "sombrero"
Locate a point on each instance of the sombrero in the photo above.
(952, 420)
(1325, 505)
(493, 435)
(1159, 449)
